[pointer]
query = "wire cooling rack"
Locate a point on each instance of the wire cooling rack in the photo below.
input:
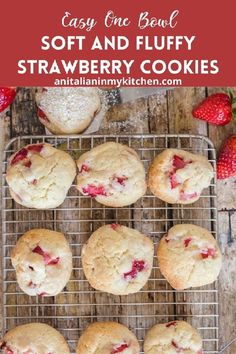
(79, 305)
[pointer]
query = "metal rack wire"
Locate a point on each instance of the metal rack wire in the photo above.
(79, 305)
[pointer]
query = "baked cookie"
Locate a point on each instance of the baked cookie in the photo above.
(113, 174)
(42, 260)
(117, 259)
(189, 256)
(107, 338)
(178, 176)
(173, 337)
(34, 338)
(39, 176)
(67, 110)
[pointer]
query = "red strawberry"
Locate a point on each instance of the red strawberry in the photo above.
(7, 95)
(226, 164)
(215, 109)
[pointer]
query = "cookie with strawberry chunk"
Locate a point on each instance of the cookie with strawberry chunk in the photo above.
(67, 110)
(42, 260)
(117, 259)
(39, 176)
(189, 256)
(173, 337)
(178, 176)
(108, 338)
(7, 95)
(34, 338)
(111, 173)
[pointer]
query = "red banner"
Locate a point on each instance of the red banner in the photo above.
(123, 43)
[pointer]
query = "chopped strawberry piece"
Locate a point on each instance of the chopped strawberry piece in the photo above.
(185, 196)
(8, 350)
(178, 162)
(19, 156)
(178, 349)
(120, 348)
(114, 226)
(171, 324)
(84, 168)
(35, 148)
(173, 181)
(209, 252)
(187, 241)
(47, 258)
(32, 285)
(28, 164)
(94, 191)
(42, 115)
(121, 180)
(137, 266)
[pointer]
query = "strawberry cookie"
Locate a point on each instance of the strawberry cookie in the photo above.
(117, 259)
(111, 173)
(39, 176)
(107, 338)
(67, 110)
(189, 256)
(178, 176)
(7, 95)
(34, 338)
(42, 260)
(173, 337)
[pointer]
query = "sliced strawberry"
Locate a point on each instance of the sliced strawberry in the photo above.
(94, 191)
(137, 266)
(120, 348)
(19, 156)
(170, 324)
(7, 95)
(48, 260)
(187, 241)
(35, 148)
(209, 252)
(42, 115)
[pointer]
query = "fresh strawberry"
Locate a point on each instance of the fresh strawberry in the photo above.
(215, 109)
(7, 95)
(226, 164)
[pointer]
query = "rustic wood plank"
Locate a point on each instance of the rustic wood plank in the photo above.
(227, 279)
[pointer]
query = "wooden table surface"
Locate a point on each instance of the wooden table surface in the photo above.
(169, 112)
